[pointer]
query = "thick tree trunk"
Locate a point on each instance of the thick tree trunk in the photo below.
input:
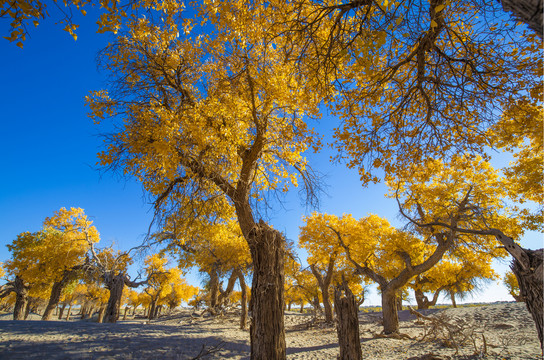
(399, 302)
(389, 312)
(531, 286)
(152, 309)
(54, 298)
(115, 286)
(21, 299)
(214, 288)
(347, 323)
(243, 316)
(421, 300)
(267, 330)
(528, 11)
(27, 309)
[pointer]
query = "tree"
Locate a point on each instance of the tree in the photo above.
(465, 196)
(208, 117)
(411, 80)
(529, 11)
(457, 273)
(512, 285)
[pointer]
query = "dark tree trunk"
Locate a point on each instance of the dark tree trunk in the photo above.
(399, 302)
(243, 316)
(347, 323)
(267, 330)
(21, 299)
(531, 286)
(528, 11)
(125, 313)
(324, 284)
(389, 312)
(301, 306)
(115, 286)
(61, 311)
(421, 300)
(152, 309)
(54, 298)
(289, 305)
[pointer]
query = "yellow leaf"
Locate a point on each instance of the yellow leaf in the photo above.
(20, 44)
(439, 8)
(433, 24)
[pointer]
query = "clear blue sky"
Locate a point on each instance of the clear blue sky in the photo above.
(49, 148)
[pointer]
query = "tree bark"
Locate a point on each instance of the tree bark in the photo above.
(530, 280)
(224, 295)
(243, 316)
(115, 285)
(302, 306)
(214, 288)
(267, 330)
(21, 298)
(69, 312)
(101, 313)
(61, 311)
(528, 11)
(324, 284)
(347, 323)
(389, 311)
(54, 298)
(452, 296)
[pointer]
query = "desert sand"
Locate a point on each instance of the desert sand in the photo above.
(494, 331)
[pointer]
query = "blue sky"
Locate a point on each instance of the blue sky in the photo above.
(49, 148)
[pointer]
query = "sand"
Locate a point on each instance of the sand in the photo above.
(508, 330)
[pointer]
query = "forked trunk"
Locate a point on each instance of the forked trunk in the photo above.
(389, 312)
(54, 299)
(267, 331)
(348, 323)
(421, 300)
(531, 286)
(115, 286)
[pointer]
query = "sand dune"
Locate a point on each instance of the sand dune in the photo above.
(507, 330)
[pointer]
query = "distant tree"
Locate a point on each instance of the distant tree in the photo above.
(512, 285)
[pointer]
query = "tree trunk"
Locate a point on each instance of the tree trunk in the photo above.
(125, 313)
(302, 306)
(528, 11)
(152, 309)
(289, 305)
(54, 298)
(324, 284)
(389, 312)
(531, 286)
(267, 330)
(224, 295)
(69, 312)
(453, 302)
(214, 288)
(399, 302)
(21, 299)
(115, 286)
(421, 300)
(27, 309)
(101, 313)
(243, 316)
(347, 323)
(61, 311)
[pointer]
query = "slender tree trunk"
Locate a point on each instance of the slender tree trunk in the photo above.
(152, 307)
(531, 286)
(389, 312)
(101, 313)
(54, 298)
(267, 330)
(302, 306)
(224, 295)
(399, 302)
(125, 314)
(27, 309)
(61, 311)
(289, 305)
(115, 286)
(69, 312)
(21, 298)
(324, 284)
(452, 296)
(347, 323)
(243, 316)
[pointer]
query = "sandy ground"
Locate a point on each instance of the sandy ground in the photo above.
(507, 328)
